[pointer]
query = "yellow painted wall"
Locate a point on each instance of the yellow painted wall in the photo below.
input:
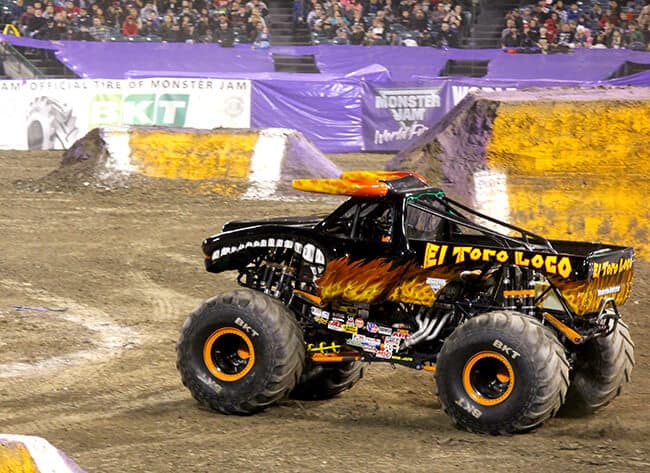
(577, 170)
(196, 156)
(14, 458)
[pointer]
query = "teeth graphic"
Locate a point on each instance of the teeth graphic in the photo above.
(279, 242)
(256, 244)
(215, 255)
(240, 247)
(297, 247)
(271, 241)
(320, 257)
(248, 244)
(225, 251)
(263, 243)
(288, 244)
(308, 253)
(233, 249)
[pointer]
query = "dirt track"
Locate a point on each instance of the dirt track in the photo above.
(98, 379)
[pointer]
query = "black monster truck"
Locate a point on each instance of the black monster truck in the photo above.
(514, 326)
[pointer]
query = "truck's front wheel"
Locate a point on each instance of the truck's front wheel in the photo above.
(240, 352)
(501, 373)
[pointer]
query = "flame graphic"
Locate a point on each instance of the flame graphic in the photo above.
(359, 281)
(414, 289)
(582, 297)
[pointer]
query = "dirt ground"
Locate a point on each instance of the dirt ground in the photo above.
(94, 287)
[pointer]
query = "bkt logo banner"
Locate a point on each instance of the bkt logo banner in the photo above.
(54, 113)
(138, 109)
(393, 115)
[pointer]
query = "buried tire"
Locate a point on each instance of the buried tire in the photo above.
(501, 373)
(320, 381)
(602, 366)
(240, 352)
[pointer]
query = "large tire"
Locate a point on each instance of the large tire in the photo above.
(501, 373)
(602, 366)
(50, 125)
(320, 381)
(240, 352)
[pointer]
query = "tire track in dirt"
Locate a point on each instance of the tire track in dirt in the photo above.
(110, 340)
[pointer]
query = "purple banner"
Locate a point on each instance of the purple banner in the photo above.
(328, 113)
(396, 113)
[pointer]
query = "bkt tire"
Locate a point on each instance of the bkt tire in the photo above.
(501, 373)
(320, 381)
(602, 366)
(50, 125)
(240, 352)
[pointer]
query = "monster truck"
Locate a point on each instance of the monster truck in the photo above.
(514, 326)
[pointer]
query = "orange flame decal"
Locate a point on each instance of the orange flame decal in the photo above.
(582, 297)
(358, 281)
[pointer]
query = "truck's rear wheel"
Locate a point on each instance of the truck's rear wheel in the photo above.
(321, 381)
(240, 352)
(603, 365)
(501, 373)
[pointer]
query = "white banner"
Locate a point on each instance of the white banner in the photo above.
(54, 113)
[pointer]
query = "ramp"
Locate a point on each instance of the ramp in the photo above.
(247, 163)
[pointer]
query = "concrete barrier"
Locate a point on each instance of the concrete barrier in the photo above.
(247, 163)
(27, 454)
(565, 163)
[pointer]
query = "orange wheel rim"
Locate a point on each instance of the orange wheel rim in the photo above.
(228, 353)
(488, 378)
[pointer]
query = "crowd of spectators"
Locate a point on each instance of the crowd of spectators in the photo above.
(555, 26)
(440, 23)
(199, 21)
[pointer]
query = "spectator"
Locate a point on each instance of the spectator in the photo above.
(314, 15)
(582, 37)
(82, 34)
(17, 9)
(129, 27)
(438, 15)
(511, 39)
(565, 37)
(224, 35)
(446, 37)
(405, 19)
(426, 39)
(72, 11)
(263, 37)
(376, 34)
(595, 16)
(204, 29)
(574, 12)
(600, 42)
(341, 36)
(24, 20)
(418, 21)
(510, 23)
(551, 30)
(239, 19)
(358, 34)
(528, 38)
(166, 28)
(84, 19)
(616, 41)
(99, 31)
(634, 37)
(37, 24)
